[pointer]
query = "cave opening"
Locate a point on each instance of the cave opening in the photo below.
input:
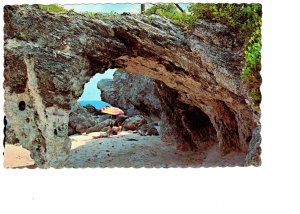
(194, 65)
(147, 135)
(199, 126)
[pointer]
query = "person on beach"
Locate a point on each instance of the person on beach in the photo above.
(118, 129)
(108, 133)
(110, 129)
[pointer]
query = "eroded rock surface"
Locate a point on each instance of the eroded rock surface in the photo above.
(80, 120)
(135, 94)
(49, 57)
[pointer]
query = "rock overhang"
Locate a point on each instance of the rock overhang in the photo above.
(64, 50)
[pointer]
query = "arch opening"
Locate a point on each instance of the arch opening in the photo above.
(141, 96)
(188, 66)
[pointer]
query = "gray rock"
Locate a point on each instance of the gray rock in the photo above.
(152, 131)
(197, 90)
(104, 83)
(134, 122)
(100, 126)
(80, 120)
(102, 118)
(132, 111)
(71, 130)
(254, 150)
(120, 119)
(136, 94)
(105, 129)
(82, 127)
(91, 109)
(147, 129)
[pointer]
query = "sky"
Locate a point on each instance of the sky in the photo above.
(91, 92)
(118, 8)
(106, 8)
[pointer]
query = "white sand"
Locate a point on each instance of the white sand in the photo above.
(16, 156)
(120, 151)
(127, 149)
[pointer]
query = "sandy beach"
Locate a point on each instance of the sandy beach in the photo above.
(16, 157)
(127, 149)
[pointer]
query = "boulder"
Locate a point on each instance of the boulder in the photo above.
(91, 109)
(120, 119)
(136, 94)
(71, 130)
(105, 129)
(100, 126)
(82, 127)
(102, 118)
(134, 122)
(80, 120)
(147, 129)
(152, 131)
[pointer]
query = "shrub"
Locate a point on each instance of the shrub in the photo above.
(242, 18)
(171, 12)
(91, 15)
(52, 8)
(255, 97)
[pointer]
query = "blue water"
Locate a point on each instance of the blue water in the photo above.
(96, 103)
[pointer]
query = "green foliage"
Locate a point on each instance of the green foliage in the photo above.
(252, 56)
(171, 12)
(242, 18)
(22, 34)
(52, 8)
(246, 19)
(161, 8)
(255, 97)
(91, 15)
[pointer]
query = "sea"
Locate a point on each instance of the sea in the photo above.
(96, 103)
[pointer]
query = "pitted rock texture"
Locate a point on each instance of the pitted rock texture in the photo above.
(49, 57)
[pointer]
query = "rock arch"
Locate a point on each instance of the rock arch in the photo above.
(49, 57)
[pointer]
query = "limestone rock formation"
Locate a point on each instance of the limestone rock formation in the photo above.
(254, 151)
(49, 57)
(80, 120)
(135, 94)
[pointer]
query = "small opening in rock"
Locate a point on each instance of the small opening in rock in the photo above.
(91, 96)
(55, 131)
(27, 120)
(22, 106)
(199, 124)
(249, 139)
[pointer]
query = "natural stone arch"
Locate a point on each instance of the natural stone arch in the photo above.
(49, 57)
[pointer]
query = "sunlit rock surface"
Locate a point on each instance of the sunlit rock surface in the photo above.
(49, 57)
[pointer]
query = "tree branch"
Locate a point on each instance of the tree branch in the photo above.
(177, 5)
